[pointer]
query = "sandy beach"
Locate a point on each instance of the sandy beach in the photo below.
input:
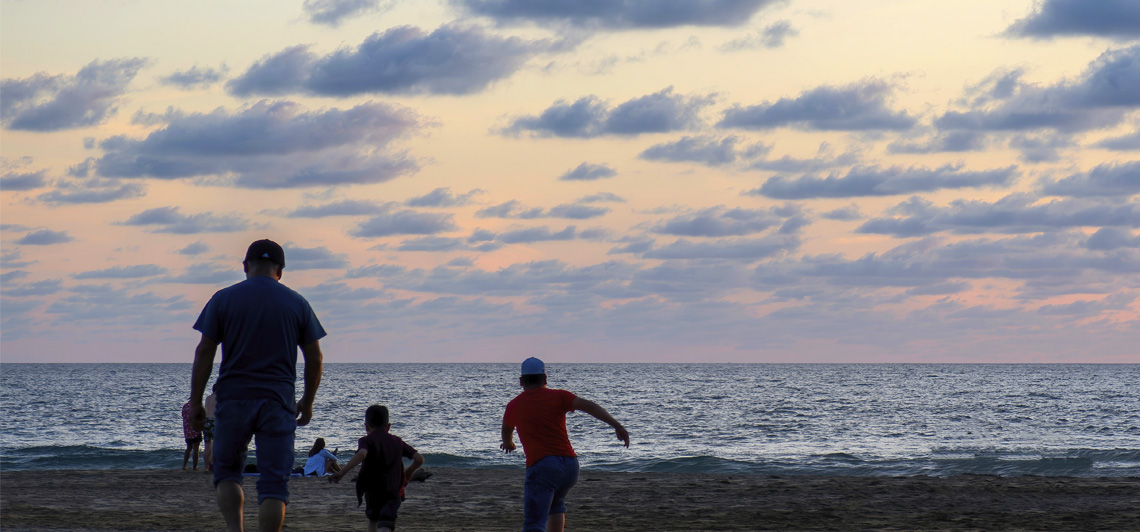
(489, 500)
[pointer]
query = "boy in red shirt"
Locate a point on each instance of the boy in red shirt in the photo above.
(539, 414)
(382, 479)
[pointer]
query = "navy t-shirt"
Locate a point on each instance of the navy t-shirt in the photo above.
(259, 323)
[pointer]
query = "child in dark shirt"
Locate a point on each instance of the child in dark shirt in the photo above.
(382, 479)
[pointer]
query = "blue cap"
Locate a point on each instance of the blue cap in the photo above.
(533, 366)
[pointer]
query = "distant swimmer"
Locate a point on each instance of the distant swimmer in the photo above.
(259, 323)
(539, 414)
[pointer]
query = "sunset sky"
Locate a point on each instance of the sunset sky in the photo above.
(611, 181)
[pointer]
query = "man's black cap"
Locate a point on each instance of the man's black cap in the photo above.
(266, 250)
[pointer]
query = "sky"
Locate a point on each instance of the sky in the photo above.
(621, 181)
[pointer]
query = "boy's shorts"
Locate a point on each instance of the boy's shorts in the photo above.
(548, 482)
(273, 426)
(381, 508)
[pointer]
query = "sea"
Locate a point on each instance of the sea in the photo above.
(739, 419)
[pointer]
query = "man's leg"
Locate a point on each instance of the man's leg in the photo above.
(271, 515)
(567, 477)
(231, 443)
(556, 523)
(538, 494)
(230, 501)
(275, 438)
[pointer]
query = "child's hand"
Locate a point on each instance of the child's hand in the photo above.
(335, 477)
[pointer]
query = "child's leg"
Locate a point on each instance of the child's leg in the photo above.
(195, 456)
(186, 455)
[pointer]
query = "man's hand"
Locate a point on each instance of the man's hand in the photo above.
(507, 446)
(622, 435)
(304, 413)
(197, 416)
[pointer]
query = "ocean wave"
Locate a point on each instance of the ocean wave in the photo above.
(941, 462)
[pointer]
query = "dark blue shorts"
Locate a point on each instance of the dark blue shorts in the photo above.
(381, 508)
(236, 422)
(544, 493)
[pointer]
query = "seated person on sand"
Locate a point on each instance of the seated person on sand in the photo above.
(321, 462)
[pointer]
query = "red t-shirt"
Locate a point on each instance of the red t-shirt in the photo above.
(540, 417)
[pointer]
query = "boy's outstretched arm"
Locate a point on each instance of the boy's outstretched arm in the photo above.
(417, 461)
(596, 410)
(508, 444)
(355, 461)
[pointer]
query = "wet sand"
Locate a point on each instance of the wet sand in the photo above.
(490, 500)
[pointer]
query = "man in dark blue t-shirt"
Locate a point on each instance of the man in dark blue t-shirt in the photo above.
(259, 323)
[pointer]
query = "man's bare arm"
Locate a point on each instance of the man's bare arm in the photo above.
(596, 410)
(314, 360)
(203, 366)
(508, 444)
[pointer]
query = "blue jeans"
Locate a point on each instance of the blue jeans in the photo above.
(544, 493)
(273, 426)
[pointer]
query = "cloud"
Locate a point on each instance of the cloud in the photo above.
(855, 107)
(601, 197)
(949, 141)
(588, 172)
(119, 307)
(432, 243)
(404, 222)
(576, 211)
(536, 234)
(875, 181)
(1016, 213)
(750, 249)
(1104, 180)
(338, 208)
(197, 248)
(1117, 19)
(824, 159)
(701, 149)
(1130, 142)
(51, 103)
(1110, 238)
(514, 209)
(46, 287)
(91, 190)
(11, 259)
(534, 278)
(844, 214)
(453, 60)
(333, 12)
(22, 181)
(660, 112)
(122, 272)
(318, 258)
(195, 78)
(442, 197)
(719, 222)
(269, 145)
(773, 36)
(45, 237)
(1100, 97)
(170, 220)
(626, 14)
(207, 274)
